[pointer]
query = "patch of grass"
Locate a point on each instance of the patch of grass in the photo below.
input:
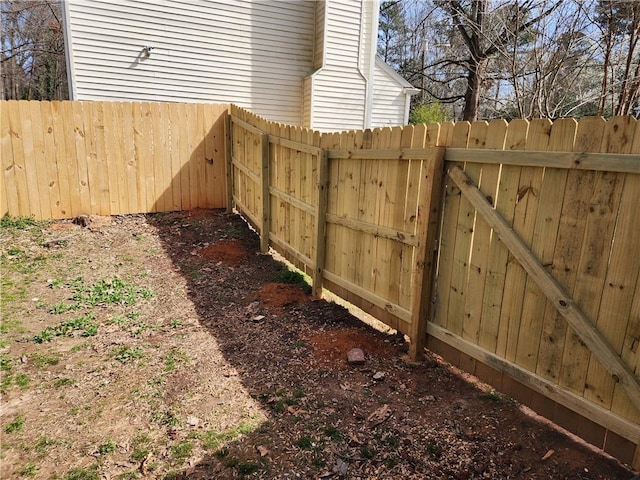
(22, 381)
(85, 324)
(20, 223)
(172, 358)
(123, 353)
(175, 323)
(128, 475)
(43, 443)
(29, 470)
(80, 473)
(16, 425)
(367, 452)
(333, 433)
(169, 418)
(63, 382)
(305, 443)
(6, 363)
(247, 467)
(8, 325)
(41, 360)
(292, 277)
(107, 447)
(181, 451)
(211, 440)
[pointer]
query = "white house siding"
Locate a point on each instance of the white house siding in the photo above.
(339, 88)
(252, 53)
(391, 103)
(307, 93)
(318, 44)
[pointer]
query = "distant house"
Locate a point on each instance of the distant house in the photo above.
(309, 63)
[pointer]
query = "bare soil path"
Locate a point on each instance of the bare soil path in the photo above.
(165, 346)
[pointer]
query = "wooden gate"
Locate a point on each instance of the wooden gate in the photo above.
(538, 284)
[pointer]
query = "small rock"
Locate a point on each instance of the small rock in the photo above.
(379, 376)
(257, 318)
(355, 356)
(430, 398)
(193, 421)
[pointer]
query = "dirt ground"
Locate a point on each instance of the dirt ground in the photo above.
(165, 346)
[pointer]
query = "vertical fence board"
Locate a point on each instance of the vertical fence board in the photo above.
(29, 161)
(51, 160)
(505, 205)
(91, 147)
(622, 271)
(60, 142)
(10, 189)
(550, 235)
(488, 265)
(39, 159)
(531, 192)
(19, 168)
(405, 213)
(474, 282)
(450, 295)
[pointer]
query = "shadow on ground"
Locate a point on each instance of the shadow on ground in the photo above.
(327, 419)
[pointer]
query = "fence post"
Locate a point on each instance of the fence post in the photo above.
(228, 138)
(266, 195)
(424, 269)
(321, 222)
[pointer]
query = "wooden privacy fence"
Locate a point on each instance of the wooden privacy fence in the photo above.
(63, 159)
(352, 209)
(511, 249)
(537, 288)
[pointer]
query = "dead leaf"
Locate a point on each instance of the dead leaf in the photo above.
(354, 438)
(263, 451)
(380, 415)
(548, 454)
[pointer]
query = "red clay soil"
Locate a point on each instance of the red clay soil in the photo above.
(330, 347)
(275, 296)
(230, 252)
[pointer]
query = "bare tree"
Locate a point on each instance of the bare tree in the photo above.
(33, 54)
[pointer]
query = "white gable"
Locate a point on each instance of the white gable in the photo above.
(392, 97)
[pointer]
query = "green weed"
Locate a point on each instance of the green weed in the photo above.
(42, 444)
(304, 443)
(63, 382)
(108, 447)
(16, 425)
(20, 223)
(180, 452)
(29, 470)
(172, 358)
(41, 360)
(85, 324)
(293, 278)
(80, 473)
(6, 363)
(124, 353)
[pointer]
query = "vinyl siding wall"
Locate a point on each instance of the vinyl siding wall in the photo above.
(339, 88)
(390, 101)
(253, 53)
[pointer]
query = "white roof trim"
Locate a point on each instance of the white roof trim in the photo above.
(396, 77)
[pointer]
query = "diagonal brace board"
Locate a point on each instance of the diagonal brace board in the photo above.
(580, 323)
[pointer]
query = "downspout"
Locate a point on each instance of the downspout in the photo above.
(71, 72)
(372, 47)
